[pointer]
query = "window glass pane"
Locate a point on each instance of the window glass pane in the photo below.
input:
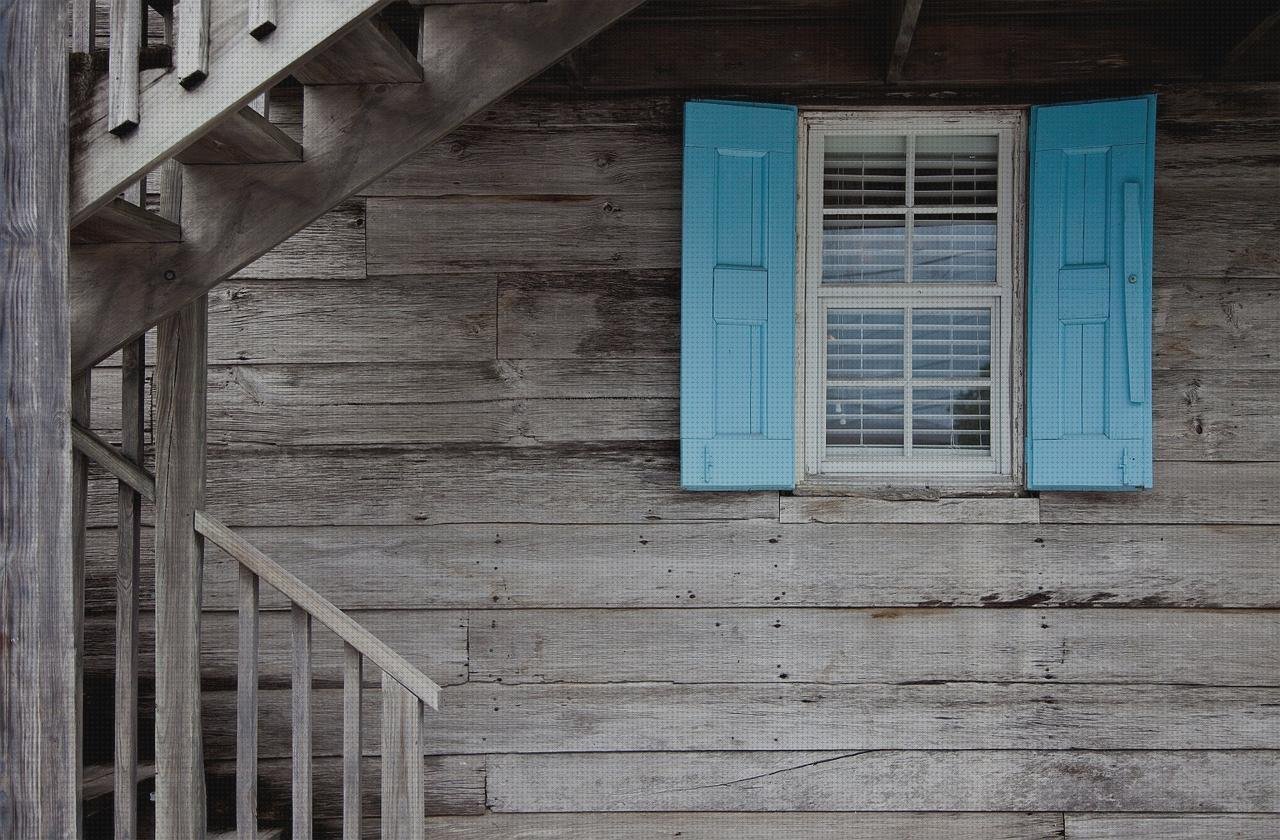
(954, 248)
(951, 418)
(865, 172)
(864, 249)
(951, 343)
(956, 171)
(864, 416)
(864, 344)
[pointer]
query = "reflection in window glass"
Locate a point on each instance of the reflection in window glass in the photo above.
(954, 248)
(864, 249)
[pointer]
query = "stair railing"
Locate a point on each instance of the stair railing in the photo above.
(406, 691)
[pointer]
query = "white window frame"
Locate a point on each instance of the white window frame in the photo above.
(1000, 471)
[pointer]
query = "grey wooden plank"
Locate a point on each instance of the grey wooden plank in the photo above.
(122, 221)
(515, 403)
(242, 137)
(587, 314)
(434, 642)
(1217, 415)
(751, 564)
(1217, 324)
(180, 491)
(127, 20)
(38, 677)
(1218, 232)
(652, 717)
(1193, 647)
(853, 509)
(81, 414)
(754, 826)
(453, 785)
(515, 161)
(617, 482)
(1172, 826)
(330, 248)
(1006, 780)
(406, 319)
(554, 233)
(1185, 491)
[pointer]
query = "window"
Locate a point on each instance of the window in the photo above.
(909, 308)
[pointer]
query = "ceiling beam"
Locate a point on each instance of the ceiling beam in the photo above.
(903, 15)
(1245, 48)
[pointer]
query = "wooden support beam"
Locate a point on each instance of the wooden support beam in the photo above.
(110, 459)
(1244, 50)
(902, 28)
(84, 25)
(124, 221)
(231, 216)
(179, 389)
(128, 575)
(244, 137)
(370, 54)
(38, 745)
(127, 34)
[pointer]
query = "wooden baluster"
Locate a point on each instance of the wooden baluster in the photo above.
(301, 724)
(127, 33)
(402, 763)
(81, 397)
(128, 564)
(179, 386)
(247, 710)
(84, 26)
(263, 17)
(352, 722)
(192, 50)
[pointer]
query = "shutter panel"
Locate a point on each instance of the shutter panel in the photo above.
(737, 347)
(1089, 296)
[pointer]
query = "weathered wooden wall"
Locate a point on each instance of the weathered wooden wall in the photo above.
(451, 406)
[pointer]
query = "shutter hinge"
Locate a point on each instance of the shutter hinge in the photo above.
(1129, 471)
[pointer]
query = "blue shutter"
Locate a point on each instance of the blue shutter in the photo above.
(737, 346)
(1089, 296)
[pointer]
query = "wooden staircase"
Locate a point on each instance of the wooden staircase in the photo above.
(179, 179)
(370, 102)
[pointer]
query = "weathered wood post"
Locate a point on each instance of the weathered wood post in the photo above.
(179, 390)
(39, 755)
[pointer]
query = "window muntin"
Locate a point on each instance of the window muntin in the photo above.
(908, 297)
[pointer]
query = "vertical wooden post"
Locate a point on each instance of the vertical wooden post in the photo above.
(179, 387)
(352, 726)
(302, 826)
(39, 753)
(247, 710)
(128, 32)
(128, 564)
(402, 764)
(81, 396)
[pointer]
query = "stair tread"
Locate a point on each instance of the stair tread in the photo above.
(99, 780)
(123, 221)
(263, 834)
(370, 54)
(243, 137)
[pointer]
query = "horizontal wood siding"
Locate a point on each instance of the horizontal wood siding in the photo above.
(451, 407)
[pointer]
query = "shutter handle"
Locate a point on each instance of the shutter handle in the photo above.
(1135, 320)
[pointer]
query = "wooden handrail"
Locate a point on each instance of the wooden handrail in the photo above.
(248, 555)
(113, 461)
(320, 608)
